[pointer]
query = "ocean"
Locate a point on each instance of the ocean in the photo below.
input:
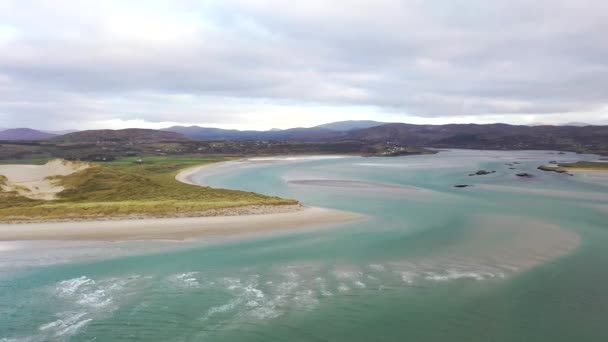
(507, 258)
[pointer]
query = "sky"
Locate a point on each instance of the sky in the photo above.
(261, 64)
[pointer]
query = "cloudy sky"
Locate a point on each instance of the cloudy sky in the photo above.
(259, 64)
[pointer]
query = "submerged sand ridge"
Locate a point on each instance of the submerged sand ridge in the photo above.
(35, 181)
(497, 247)
(354, 184)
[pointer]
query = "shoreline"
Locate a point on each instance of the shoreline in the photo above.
(239, 220)
(584, 170)
(176, 228)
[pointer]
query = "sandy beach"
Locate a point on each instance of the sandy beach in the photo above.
(175, 228)
(216, 222)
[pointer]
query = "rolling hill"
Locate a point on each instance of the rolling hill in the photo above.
(292, 134)
(121, 135)
(491, 136)
(350, 125)
(24, 134)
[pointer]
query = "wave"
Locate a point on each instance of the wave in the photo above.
(185, 280)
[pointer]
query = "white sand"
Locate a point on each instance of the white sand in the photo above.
(175, 228)
(33, 181)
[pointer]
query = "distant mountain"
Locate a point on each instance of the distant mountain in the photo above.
(470, 136)
(577, 124)
(61, 132)
(350, 125)
(492, 136)
(292, 134)
(330, 131)
(121, 135)
(24, 134)
(208, 133)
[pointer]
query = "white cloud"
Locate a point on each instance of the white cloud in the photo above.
(263, 64)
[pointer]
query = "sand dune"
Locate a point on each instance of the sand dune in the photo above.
(33, 181)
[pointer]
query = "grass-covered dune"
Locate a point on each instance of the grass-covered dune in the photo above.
(128, 188)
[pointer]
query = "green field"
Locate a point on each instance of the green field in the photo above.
(128, 188)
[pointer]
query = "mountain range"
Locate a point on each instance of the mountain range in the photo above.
(24, 134)
(135, 135)
(488, 136)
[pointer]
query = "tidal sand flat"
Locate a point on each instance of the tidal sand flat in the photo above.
(352, 184)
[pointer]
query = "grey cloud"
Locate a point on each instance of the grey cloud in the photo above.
(424, 58)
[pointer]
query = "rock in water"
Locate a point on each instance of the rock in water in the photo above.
(524, 175)
(481, 173)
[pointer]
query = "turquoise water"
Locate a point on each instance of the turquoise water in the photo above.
(508, 259)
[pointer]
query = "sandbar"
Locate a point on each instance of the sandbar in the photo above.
(175, 228)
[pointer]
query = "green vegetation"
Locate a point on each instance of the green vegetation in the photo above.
(581, 165)
(130, 187)
(578, 166)
(37, 152)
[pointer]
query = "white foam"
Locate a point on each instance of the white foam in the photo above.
(67, 319)
(408, 276)
(231, 305)
(376, 267)
(185, 280)
(322, 287)
(70, 286)
(343, 288)
(72, 329)
(453, 275)
(264, 313)
(359, 284)
(67, 324)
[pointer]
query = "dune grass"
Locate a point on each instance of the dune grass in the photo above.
(581, 165)
(130, 188)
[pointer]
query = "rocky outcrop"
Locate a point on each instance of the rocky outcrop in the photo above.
(481, 173)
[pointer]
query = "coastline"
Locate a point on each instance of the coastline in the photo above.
(175, 228)
(570, 169)
(239, 220)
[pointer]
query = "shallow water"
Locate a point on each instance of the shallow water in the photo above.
(507, 259)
